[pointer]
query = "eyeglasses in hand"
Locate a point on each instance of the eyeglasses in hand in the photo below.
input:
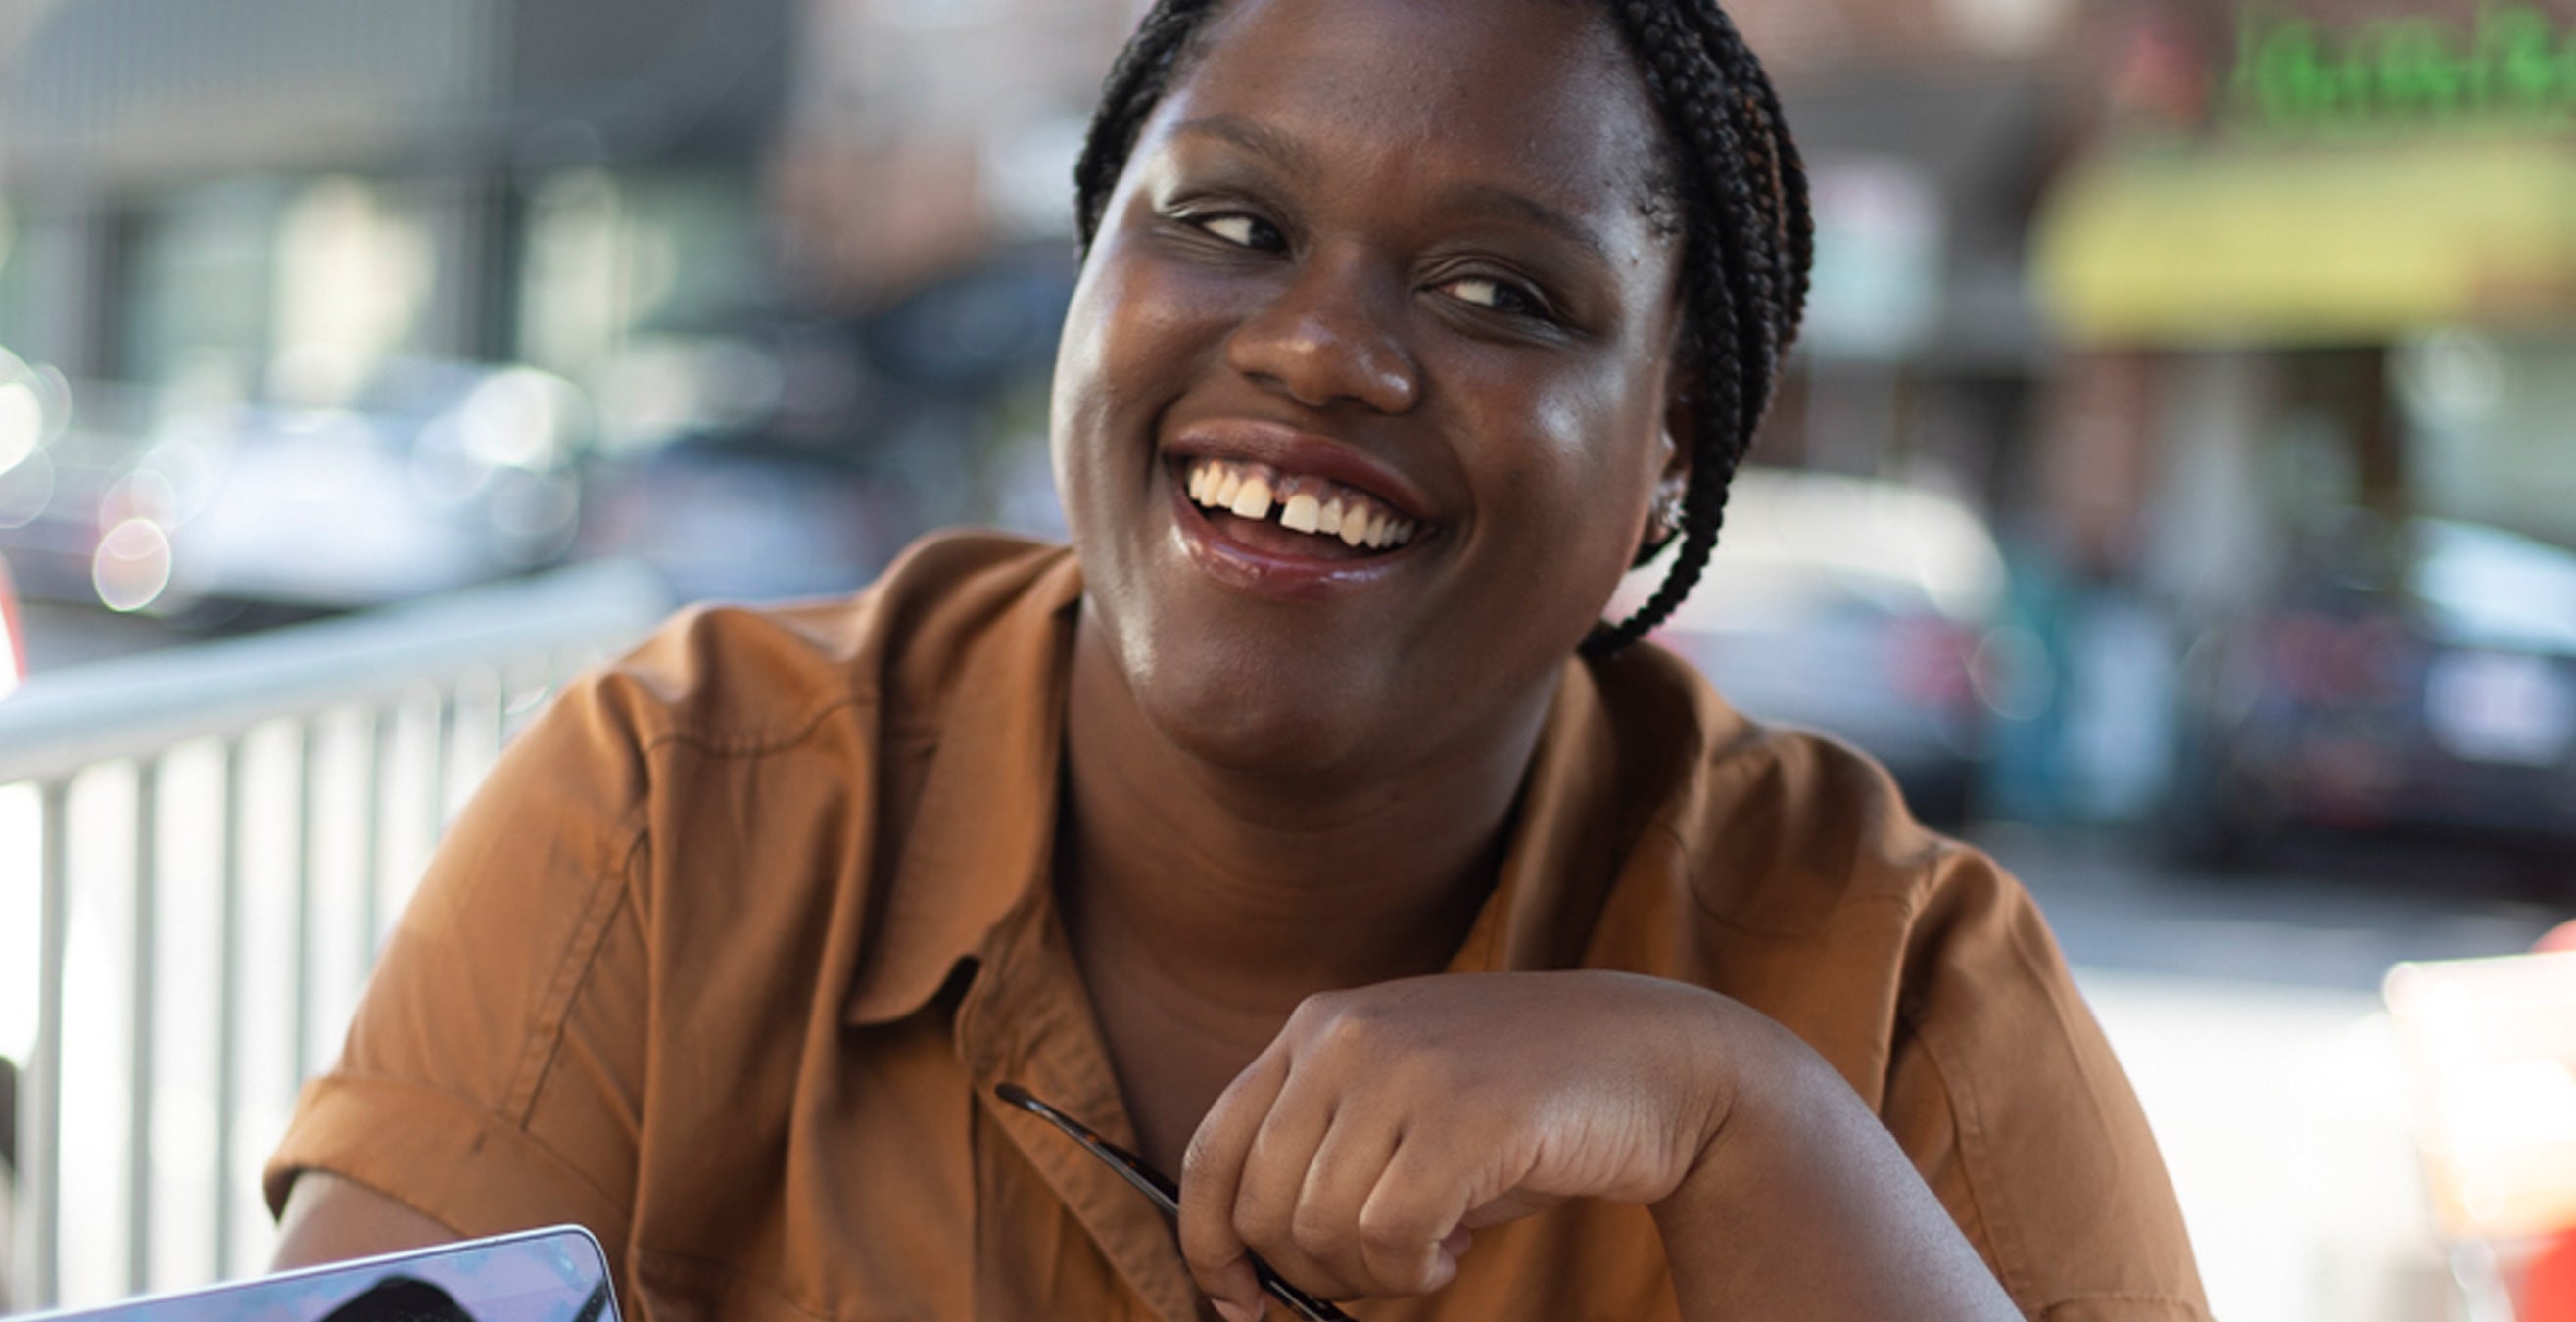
(1166, 1195)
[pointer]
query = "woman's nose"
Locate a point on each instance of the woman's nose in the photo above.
(1333, 333)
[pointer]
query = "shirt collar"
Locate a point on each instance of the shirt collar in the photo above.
(983, 834)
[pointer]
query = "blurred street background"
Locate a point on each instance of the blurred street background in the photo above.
(2175, 486)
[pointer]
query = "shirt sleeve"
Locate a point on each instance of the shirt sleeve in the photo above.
(492, 1076)
(2004, 1091)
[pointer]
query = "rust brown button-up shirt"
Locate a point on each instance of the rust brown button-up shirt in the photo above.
(723, 962)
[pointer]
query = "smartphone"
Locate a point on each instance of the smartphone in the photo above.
(554, 1275)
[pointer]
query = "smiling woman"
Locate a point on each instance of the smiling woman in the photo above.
(1287, 277)
(1303, 829)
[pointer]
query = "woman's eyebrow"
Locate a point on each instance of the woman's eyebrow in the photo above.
(1479, 199)
(1293, 157)
(1278, 148)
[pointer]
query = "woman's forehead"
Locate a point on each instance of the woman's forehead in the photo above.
(1541, 90)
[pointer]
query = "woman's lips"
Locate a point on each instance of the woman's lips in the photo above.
(1252, 500)
(1263, 557)
(1311, 506)
(1284, 452)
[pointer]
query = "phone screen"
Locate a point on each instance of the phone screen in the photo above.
(556, 1275)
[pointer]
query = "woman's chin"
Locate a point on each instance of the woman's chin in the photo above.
(1256, 728)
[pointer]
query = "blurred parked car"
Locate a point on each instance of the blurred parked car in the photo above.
(789, 457)
(436, 476)
(747, 517)
(1858, 608)
(2416, 676)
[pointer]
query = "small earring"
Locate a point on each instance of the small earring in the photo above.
(1668, 515)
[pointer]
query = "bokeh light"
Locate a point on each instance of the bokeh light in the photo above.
(132, 566)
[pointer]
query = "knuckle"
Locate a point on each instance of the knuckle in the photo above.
(1320, 1232)
(1317, 1013)
(1265, 1222)
(1200, 1155)
(1205, 1257)
(1388, 1235)
(1350, 1030)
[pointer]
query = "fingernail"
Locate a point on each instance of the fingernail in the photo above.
(1233, 1312)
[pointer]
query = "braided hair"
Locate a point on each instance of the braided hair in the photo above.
(1733, 177)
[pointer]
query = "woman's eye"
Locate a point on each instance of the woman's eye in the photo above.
(1240, 230)
(1497, 295)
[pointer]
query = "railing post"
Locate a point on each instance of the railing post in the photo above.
(309, 786)
(381, 738)
(236, 867)
(144, 1041)
(442, 729)
(40, 1102)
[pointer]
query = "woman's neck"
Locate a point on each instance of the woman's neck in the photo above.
(1249, 892)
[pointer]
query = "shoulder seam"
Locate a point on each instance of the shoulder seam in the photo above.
(609, 890)
(747, 745)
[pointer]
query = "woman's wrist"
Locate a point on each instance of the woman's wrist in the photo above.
(1754, 1070)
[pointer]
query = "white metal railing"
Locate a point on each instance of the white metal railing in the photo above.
(199, 852)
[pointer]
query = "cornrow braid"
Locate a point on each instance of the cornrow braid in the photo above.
(1746, 249)
(1738, 185)
(1164, 41)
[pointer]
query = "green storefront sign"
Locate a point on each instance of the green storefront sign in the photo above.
(2510, 67)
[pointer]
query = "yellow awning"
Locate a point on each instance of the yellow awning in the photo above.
(2240, 245)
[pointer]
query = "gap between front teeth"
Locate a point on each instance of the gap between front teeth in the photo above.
(1308, 505)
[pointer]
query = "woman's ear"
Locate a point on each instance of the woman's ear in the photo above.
(1677, 443)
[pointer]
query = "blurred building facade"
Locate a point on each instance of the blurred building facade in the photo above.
(924, 132)
(239, 188)
(2309, 263)
(2334, 235)
(682, 209)
(2291, 225)
(512, 179)
(2221, 310)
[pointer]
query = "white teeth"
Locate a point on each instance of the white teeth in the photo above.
(1253, 501)
(1248, 493)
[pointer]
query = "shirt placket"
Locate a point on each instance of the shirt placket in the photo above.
(1047, 1211)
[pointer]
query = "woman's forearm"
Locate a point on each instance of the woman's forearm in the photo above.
(1804, 1209)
